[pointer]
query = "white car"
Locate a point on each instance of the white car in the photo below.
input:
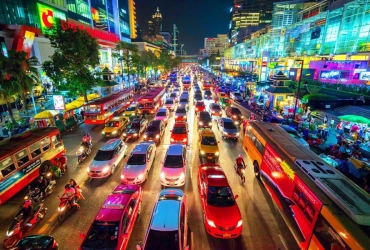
(107, 159)
(163, 115)
(236, 96)
(139, 163)
(173, 173)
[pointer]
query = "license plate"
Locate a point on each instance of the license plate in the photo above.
(94, 175)
(227, 235)
(107, 135)
(209, 157)
(93, 120)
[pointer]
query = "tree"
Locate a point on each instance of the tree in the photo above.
(23, 71)
(128, 50)
(75, 57)
(9, 85)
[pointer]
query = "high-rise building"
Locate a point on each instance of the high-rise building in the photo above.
(151, 28)
(132, 19)
(167, 36)
(155, 25)
(216, 45)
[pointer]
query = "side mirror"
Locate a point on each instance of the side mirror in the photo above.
(236, 197)
(82, 236)
(138, 247)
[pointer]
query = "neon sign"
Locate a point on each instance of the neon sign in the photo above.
(48, 15)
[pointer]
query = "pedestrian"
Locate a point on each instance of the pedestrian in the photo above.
(325, 119)
(332, 123)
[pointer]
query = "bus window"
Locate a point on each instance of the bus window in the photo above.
(7, 166)
(35, 149)
(255, 141)
(45, 143)
(56, 140)
(328, 238)
(22, 157)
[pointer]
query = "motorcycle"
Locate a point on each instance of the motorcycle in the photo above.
(83, 152)
(35, 194)
(16, 230)
(64, 207)
(240, 172)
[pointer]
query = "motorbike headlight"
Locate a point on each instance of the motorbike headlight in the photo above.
(200, 123)
(9, 233)
(217, 153)
(157, 136)
(202, 152)
(140, 176)
(88, 169)
(60, 209)
(145, 136)
(242, 116)
(239, 223)
(243, 170)
(103, 132)
(105, 170)
(135, 134)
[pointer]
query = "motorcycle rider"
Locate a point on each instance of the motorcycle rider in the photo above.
(61, 162)
(70, 194)
(86, 138)
(77, 188)
(240, 164)
(27, 212)
(42, 184)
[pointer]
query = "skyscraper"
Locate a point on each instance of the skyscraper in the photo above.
(155, 25)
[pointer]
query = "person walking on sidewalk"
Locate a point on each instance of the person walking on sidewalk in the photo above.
(332, 123)
(325, 119)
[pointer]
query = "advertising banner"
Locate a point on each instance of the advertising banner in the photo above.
(48, 15)
(365, 76)
(59, 102)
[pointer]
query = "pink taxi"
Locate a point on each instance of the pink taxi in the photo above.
(115, 221)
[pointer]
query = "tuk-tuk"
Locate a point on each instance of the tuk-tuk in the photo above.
(224, 102)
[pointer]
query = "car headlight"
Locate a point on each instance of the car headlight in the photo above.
(226, 133)
(114, 132)
(234, 116)
(105, 170)
(176, 117)
(124, 134)
(185, 140)
(202, 152)
(184, 116)
(182, 175)
(237, 134)
(200, 123)
(217, 153)
(210, 124)
(135, 134)
(236, 123)
(162, 175)
(211, 223)
(103, 132)
(157, 136)
(9, 233)
(122, 176)
(88, 169)
(140, 176)
(239, 223)
(145, 136)
(242, 116)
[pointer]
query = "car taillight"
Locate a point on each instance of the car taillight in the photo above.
(55, 244)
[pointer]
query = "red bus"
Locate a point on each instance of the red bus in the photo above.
(26, 156)
(321, 206)
(151, 101)
(102, 110)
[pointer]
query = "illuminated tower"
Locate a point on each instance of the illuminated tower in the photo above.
(157, 22)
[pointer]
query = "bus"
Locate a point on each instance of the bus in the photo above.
(322, 207)
(26, 156)
(103, 109)
(151, 101)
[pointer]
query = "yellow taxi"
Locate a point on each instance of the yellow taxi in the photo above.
(131, 111)
(115, 126)
(208, 145)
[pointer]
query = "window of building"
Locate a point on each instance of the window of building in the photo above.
(6, 166)
(35, 150)
(22, 157)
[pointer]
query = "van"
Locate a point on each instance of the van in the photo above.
(115, 126)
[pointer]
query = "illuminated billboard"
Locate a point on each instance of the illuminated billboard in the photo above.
(48, 16)
(59, 102)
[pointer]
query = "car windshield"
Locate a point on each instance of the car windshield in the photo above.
(220, 196)
(133, 125)
(204, 116)
(179, 130)
(180, 111)
(170, 101)
(130, 109)
(162, 240)
(216, 108)
(136, 159)
(199, 104)
(34, 242)
(209, 141)
(229, 125)
(207, 93)
(294, 134)
(112, 124)
(152, 128)
(235, 111)
(173, 161)
(161, 114)
(237, 94)
(104, 155)
(102, 235)
(173, 95)
(183, 100)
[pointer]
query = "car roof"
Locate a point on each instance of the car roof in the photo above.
(175, 149)
(136, 120)
(215, 176)
(169, 99)
(155, 123)
(141, 148)
(162, 110)
(225, 119)
(214, 105)
(117, 118)
(111, 144)
(207, 132)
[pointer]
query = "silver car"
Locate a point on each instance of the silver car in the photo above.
(228, 128)
(139, 163)
(107, 159)
(236, 96)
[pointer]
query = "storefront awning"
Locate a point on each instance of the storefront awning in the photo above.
(74, 105)
(89, 97)
(46, 114)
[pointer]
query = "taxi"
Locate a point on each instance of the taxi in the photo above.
(115, 126)
(222, 217)
(115, 221)
(179, 133)
(132, 110)
(208, 145)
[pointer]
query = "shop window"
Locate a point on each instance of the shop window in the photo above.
(6, 166)
(35, 150)
(327, 236)
(45, 144)
(22, 157)
(56, 140)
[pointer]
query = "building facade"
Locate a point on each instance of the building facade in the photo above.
(216, 45)
(155, 25)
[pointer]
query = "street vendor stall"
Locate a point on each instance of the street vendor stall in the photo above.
(49, 118)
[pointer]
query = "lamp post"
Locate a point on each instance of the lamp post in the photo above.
(299, 88)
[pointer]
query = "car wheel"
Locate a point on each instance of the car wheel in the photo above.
(256, 169)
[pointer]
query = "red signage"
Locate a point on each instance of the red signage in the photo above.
(264, 64)
(102, 35)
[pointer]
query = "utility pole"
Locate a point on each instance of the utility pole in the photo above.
(175, 31)
(182, 45)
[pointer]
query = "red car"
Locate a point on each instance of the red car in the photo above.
(180, 114)
(222, 218)
(200, 106)
(115, 221)
(179, 133)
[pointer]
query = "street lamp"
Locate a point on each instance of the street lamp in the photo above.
(299, 87)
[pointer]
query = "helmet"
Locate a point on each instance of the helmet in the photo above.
(67, 186)
(27, 203)
(240, 156)
(40, 178)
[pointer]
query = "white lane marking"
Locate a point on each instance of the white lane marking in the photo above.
(191, 241)
(282, 241)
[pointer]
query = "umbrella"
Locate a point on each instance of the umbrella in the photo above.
(355, 118)
(46, 114)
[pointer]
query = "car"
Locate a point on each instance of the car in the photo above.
(177, 90)
(168, 89)
(208, 145)
(115, 221)
(173, 172)
(162, 114)
(185, 92)
(204, 119)
(155, 131)
(170, 104)
(115, 126)
(131, 110)
(196, 86)
(179, 133)
(222, 95)
(168, 226)
(197, 91)
(294, 133)
(207, 95)
(222, 217)
(184, 101)
(215, 110)
(236, 96)
(180, 114)
(136, 128)
(228, 128)
(139, 163)
(200, 106)
(39, 242)
(235, 114)
(174, 96)
(197, 97)
(107, 159)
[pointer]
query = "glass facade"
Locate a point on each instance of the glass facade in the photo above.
(19, 12)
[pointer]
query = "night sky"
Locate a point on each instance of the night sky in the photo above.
(195, 19)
